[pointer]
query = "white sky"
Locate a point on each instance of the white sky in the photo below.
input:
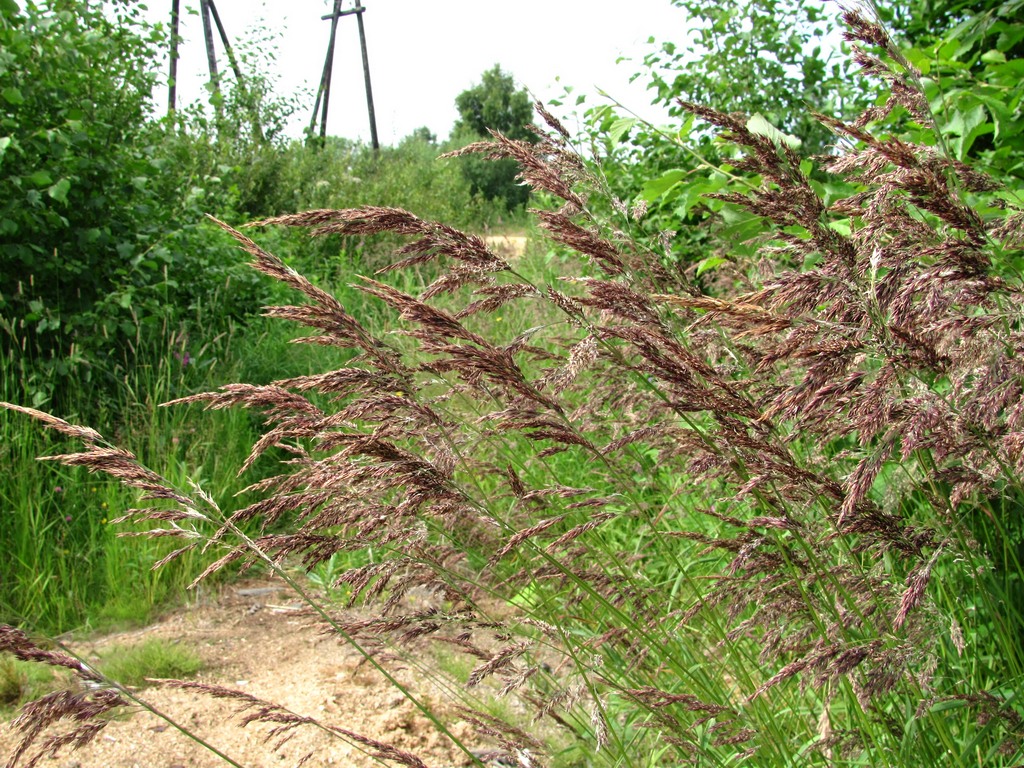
(424, 53)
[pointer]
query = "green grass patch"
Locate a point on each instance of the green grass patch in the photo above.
(156, 658)
(22, 681)
(66, 567)
(128, 665)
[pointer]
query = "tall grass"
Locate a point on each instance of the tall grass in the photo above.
(773, 521)
(66, 565)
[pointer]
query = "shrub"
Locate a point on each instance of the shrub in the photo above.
(773, 522)
(101, 207)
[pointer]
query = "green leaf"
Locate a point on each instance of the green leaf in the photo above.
(1010, 36)
(842, 226)
(711, 262)
(1010, 71)
(919, 59)
(993, 57)
(683, 133)
(59, 191)
(620, 128)
(968, 125)
(13, 96)
(949, 50)
(655, 188)
(41, 179)
(5, 142)
(1005, 120)
(759, 126)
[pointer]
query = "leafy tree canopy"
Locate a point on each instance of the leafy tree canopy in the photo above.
(101, 203)
(494, 104)
(764, 57)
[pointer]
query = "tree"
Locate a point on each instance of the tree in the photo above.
(776, 44)
(494, 104)
(925, 22)
(100, 204)
(423, 135)
(76, 93)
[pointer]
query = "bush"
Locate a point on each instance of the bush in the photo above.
(101, 208)
(73, 165)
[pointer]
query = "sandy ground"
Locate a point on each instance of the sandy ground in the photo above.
(252, 639)
(509, 246)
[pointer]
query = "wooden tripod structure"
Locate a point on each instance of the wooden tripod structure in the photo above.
(211, 18)
(207, 10)
(323, 95)
(208, 13)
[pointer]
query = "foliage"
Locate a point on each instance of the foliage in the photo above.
(71, 165)
(494, 104)
(923, 22)
(243, 140)
(101, 209)
(968, 73)
(972, 77)
(780, 45)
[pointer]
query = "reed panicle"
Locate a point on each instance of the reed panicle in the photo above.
(672, 522)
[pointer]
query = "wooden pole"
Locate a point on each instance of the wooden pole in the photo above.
(227, 43)
(325, 80)
(257, 129)
(211, 53)
(329, 68)
(366, 76)
(172, 80)
(319, 96)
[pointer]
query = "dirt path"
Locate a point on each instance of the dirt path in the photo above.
(509, 246)
(252, 639)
